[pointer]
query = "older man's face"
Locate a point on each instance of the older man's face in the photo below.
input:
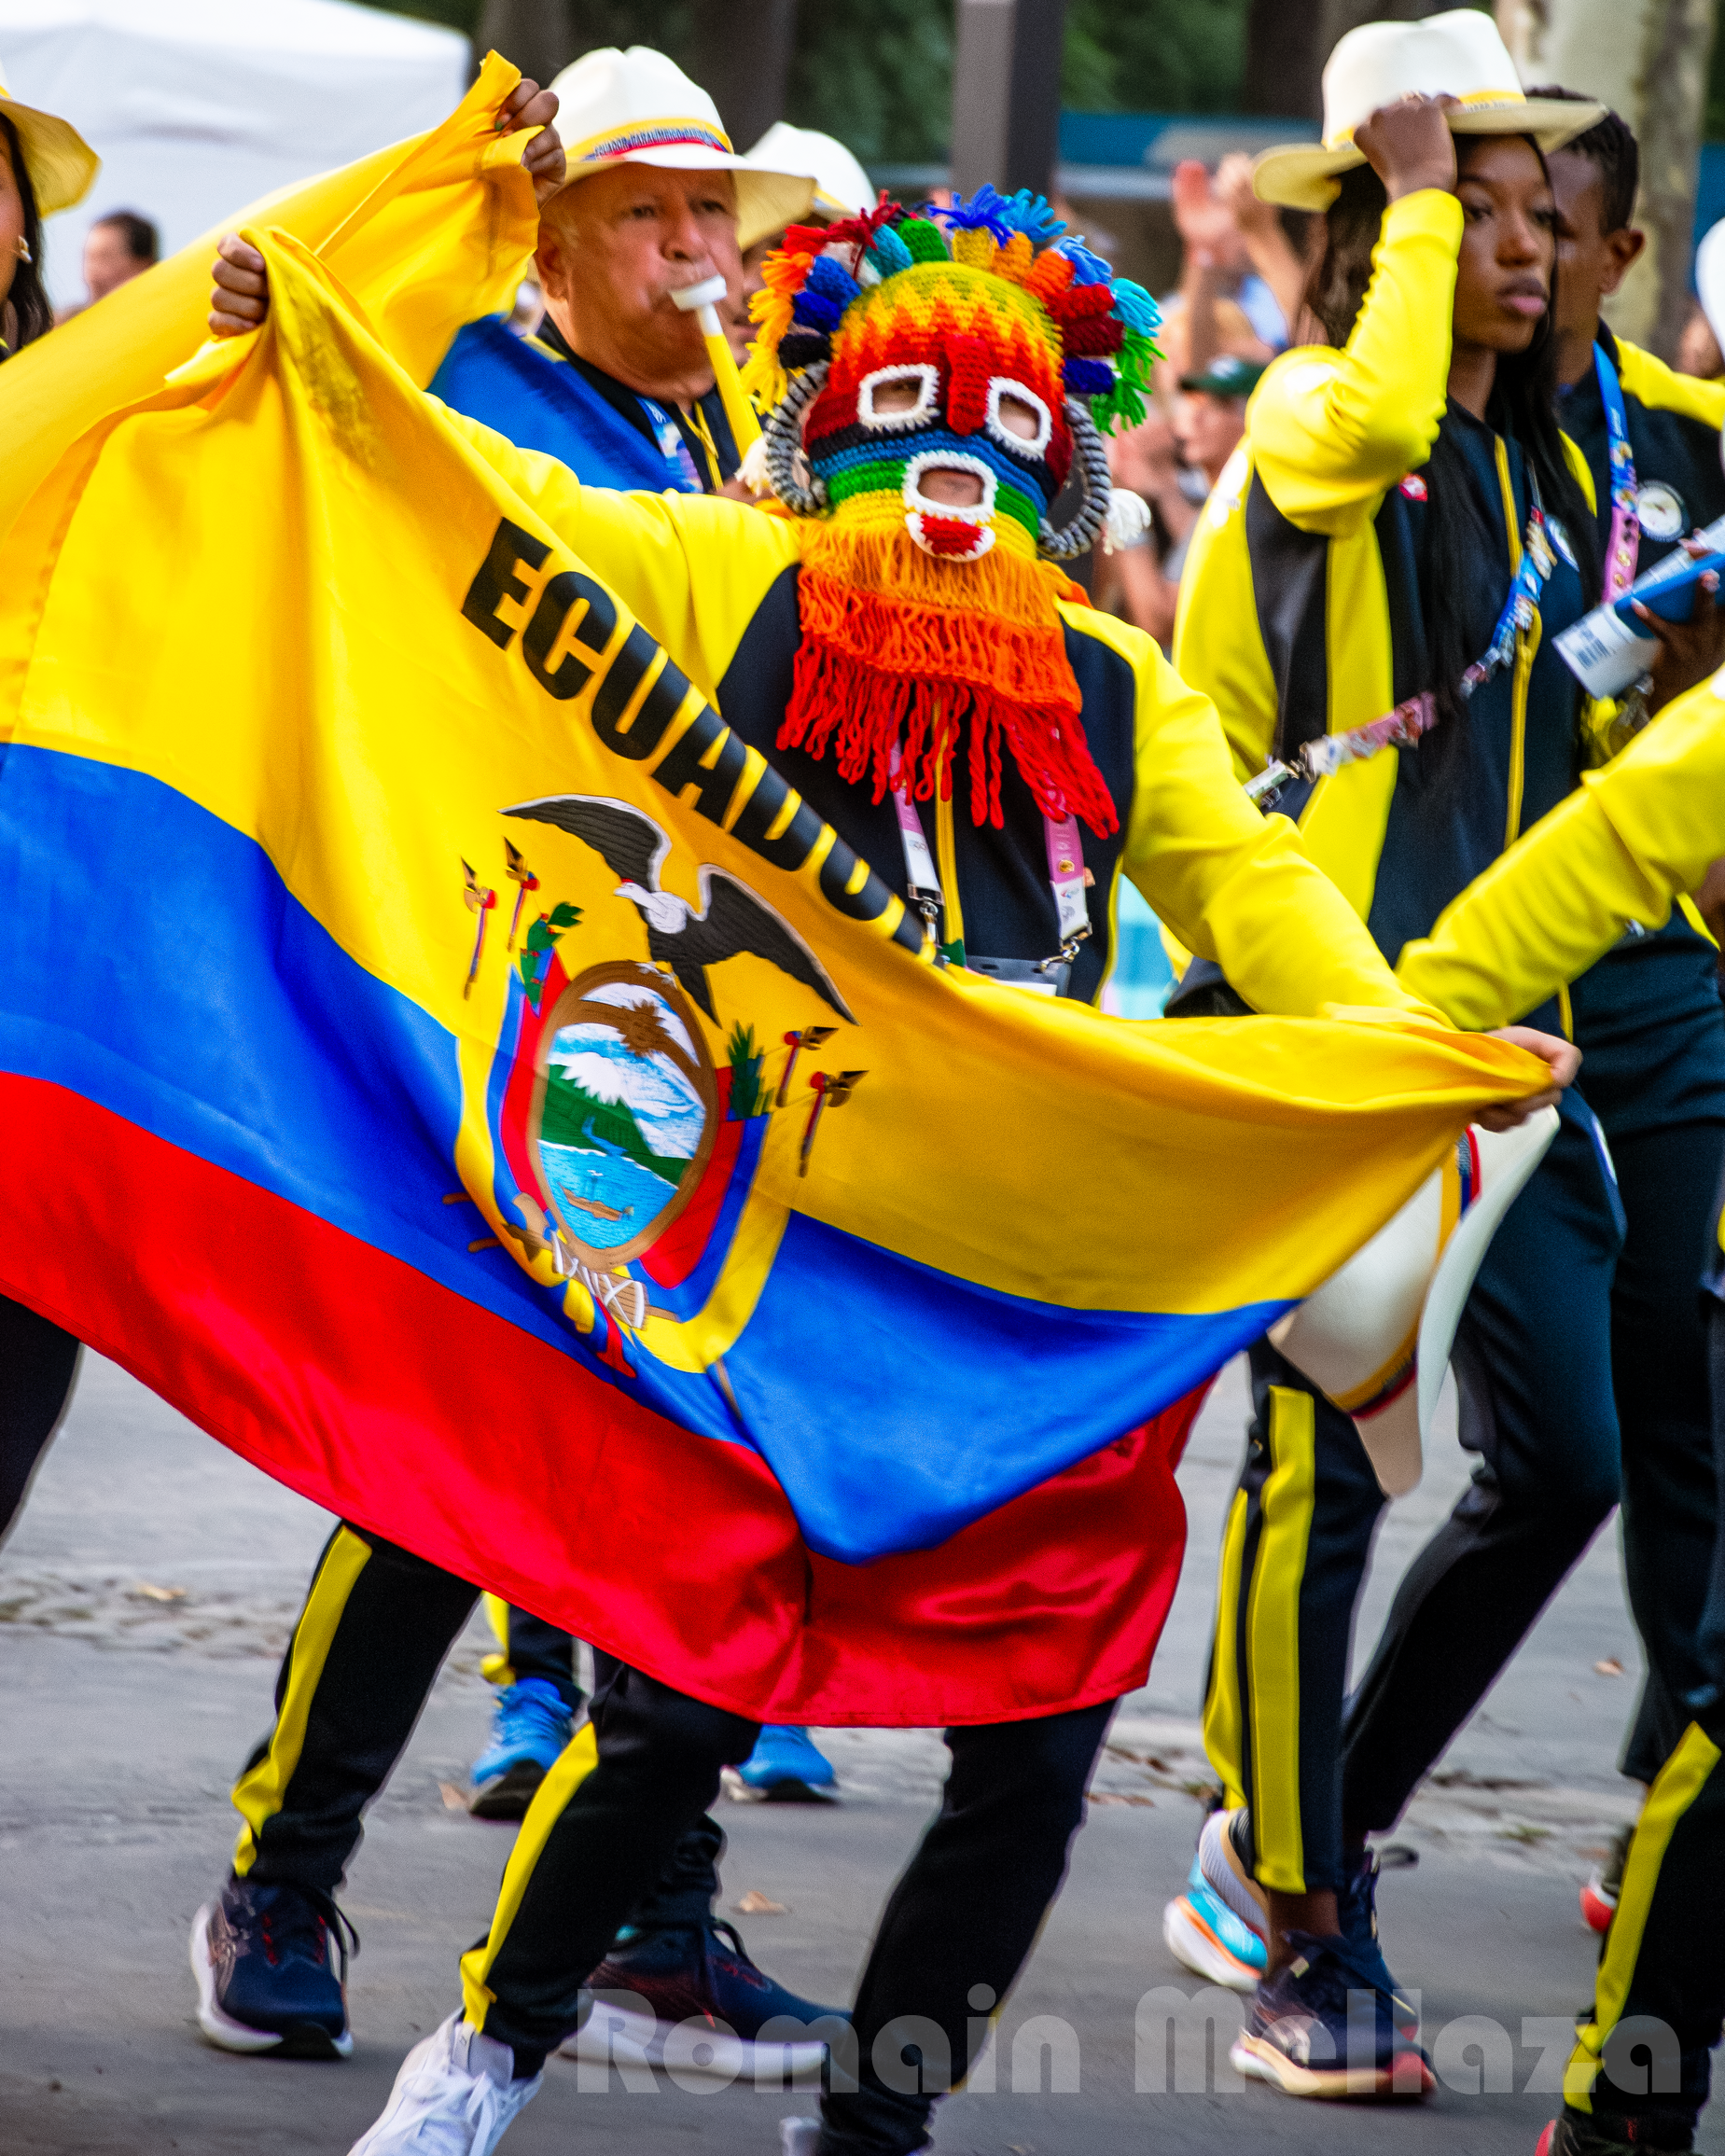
(613, 249)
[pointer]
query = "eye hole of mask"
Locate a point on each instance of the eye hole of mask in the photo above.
(1016, 417)
(896, 398)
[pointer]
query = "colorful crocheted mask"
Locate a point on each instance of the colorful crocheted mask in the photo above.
(979, 340)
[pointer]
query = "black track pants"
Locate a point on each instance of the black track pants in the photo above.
(957, 1929)
(39, 1362)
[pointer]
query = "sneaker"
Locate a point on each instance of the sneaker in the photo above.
(261, 1955)
(786, 1764)
(1356, 1905)
(1575, 2133)
(676, 1973)
(1599, 1896)
(1221, 1864)
(453, 2096)
(532, 1727)
(1205, 1936)
(1297, 2037)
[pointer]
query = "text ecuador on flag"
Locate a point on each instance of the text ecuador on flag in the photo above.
(445, 1063)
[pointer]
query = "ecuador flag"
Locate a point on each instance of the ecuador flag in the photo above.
(439, 1058)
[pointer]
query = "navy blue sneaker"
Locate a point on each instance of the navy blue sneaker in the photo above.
(1356, 1905)
(654, 1979)
(787, 1764)
(532, 1727)
(271, 1970)
(1300, 2039)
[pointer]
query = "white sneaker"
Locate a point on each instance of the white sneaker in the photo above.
(453, 2096)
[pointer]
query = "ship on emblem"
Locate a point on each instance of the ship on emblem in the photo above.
(625, 1108)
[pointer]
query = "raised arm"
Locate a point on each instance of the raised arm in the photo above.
(1332, 430)
(1630, 840)
(691, 568)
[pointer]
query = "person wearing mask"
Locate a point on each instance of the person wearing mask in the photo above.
(117, 247)
(269, 1952)
(920, 362)
(1405, 536)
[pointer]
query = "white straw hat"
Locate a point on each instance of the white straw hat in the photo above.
(841, 188)
(639, 109)
(61, 165)
(1459, 54)
(1375, 1338)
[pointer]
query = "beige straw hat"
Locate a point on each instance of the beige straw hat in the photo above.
(61, 164)
(638, 107)
(1460, 54)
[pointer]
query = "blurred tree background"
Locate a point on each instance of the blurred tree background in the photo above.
(880, 76)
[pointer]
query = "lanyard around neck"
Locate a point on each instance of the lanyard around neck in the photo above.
(1417, 717)
(1066, 869)
(1625, 542)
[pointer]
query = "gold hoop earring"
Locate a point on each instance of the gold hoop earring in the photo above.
(24, 249)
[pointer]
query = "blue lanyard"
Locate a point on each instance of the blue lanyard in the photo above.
(1520, 608)
(1625, 542)
(672, 446)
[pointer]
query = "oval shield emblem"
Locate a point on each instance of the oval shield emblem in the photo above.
(624, 1110)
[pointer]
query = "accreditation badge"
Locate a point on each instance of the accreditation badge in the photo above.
(1660, 510)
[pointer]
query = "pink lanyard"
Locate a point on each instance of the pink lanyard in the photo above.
(1066, 858)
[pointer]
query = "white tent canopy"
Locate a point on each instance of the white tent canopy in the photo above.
(199, 106)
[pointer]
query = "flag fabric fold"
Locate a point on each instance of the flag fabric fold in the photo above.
(442, 1060)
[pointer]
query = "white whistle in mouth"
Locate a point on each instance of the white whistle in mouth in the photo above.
(702, 299)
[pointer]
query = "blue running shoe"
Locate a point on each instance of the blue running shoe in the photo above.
(1205, 1936)
(262, 1957)
(1356, 1905)
(784, 1764)
(657, 1980)
(532, 1727)
(1300, 2039)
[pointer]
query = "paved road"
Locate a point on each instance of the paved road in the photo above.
(148, 1591)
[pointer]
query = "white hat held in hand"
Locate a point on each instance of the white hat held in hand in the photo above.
(1375, 1338)
(639, 109)
(1459, 55)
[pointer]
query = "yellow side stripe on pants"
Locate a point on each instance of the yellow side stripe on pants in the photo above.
(258, 1794)
(1272, 1632)
(1222, 1732)
(496, 1668)
(1680, 1781)
(575, 1762)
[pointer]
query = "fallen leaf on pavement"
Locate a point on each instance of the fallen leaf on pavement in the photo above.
(159, 1593)
(755, 1903)
(1610, 1667)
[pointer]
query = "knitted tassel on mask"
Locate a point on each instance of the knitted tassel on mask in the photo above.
(898, 649)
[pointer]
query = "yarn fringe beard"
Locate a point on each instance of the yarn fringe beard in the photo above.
(899, 650)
